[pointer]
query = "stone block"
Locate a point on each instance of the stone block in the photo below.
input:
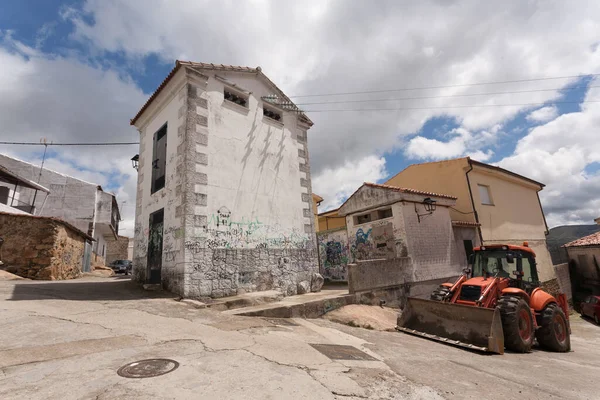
(316, 282)
(303, 287)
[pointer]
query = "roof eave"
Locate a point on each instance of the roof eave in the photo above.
(505, 171)
(214, 67)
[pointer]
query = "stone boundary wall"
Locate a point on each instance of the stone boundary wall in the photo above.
(378, 274)
(41, 248)
(381, 274)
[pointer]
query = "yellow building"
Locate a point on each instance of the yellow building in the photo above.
(316, 201)
(330, 220)
(503, 206)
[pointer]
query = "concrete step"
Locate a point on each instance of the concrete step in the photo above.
(245, 300)
(310, 305)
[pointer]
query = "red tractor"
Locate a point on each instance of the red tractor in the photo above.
(495, 305)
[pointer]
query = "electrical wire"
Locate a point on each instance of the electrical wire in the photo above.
(449, 107)
(71, 144)
(461, 212)
(448, 86)
(447, 96)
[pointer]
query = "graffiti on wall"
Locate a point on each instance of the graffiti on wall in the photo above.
(222, 231)
(376, 242)
(334, 255)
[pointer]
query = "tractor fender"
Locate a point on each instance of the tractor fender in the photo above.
(447, 284)
(516, 292)
(540, 299)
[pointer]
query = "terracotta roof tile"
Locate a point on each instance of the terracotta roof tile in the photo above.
(590, 240)
(411, 191)
(210, 66)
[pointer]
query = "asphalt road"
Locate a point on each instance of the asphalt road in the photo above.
(66, 340)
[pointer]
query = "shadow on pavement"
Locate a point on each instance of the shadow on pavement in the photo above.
(589, 320)
(115, 289)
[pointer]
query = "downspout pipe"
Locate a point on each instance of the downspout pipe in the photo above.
(473, 201)
(542, 210)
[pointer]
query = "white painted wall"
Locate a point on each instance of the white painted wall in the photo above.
(431, 243)
(99, 244)
(235, 196)
(253, 169)
(165, 110)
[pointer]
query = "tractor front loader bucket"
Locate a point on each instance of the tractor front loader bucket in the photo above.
(471, 327)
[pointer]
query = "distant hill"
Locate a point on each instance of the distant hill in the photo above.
(564, 234)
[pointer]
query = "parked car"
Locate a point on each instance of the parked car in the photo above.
(121, 266)
(591, 308)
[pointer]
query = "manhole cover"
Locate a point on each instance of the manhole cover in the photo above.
(342, 352)
(281, 321)
(148, 368)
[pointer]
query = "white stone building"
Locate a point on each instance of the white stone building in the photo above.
(82, 204)
(399, 224)
(224, 189)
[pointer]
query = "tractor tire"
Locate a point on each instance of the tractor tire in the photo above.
(553, 333)
(439, 294)
(517, 323)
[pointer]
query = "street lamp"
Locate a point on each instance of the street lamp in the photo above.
(429, 204)
(135, 161)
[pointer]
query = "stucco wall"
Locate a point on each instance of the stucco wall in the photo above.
(515, 217)
(238, 207)
(331, 221)
(431, 243)
(446, 177)
(334, 254)
(166, 110)
(516, 213)
(40, 248)
(587, 261)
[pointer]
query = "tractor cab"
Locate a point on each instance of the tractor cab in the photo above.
(513, 263)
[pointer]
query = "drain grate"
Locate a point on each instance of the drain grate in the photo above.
(342, 352)
(148, 368)
(281, 321)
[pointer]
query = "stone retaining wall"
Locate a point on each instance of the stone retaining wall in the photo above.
(41, 247)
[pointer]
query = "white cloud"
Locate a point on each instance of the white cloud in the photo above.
(319, 46)
(557, 154)
(479, 155)
(424, 148)
(346, 46)
(462, 143)
(543, 114)
(335, 185)
(66, 100)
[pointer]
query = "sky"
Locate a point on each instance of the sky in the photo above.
(511, 83)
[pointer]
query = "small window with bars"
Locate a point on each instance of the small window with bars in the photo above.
(235, 97)
(271, 113)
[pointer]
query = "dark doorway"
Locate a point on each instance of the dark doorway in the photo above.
(155, 245)
(468, 248)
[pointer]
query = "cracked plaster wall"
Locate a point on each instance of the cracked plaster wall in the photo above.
(237, 199)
